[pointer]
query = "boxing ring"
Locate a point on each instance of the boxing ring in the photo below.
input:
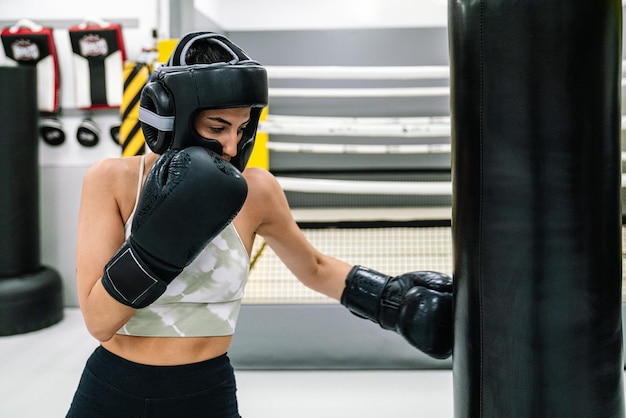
(362, 229)
(348, 212)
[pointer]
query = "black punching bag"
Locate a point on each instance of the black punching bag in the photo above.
(535, 105)
(30, 294)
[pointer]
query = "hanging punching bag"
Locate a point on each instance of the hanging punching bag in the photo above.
(535, 105)
(30, 294)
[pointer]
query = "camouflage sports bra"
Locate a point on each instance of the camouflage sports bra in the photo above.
(204, 300)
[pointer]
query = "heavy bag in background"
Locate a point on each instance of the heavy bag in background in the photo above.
(535, 105)
(30, 294)
(98, 60)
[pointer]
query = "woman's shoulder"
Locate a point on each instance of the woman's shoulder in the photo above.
(112, 180)
(260, 180)
(112, 171)
(258, 175)
(265, 191)
(113, 165)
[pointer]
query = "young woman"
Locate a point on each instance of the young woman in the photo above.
(164, 242)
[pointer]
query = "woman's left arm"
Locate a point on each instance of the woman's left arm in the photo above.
(417, 305)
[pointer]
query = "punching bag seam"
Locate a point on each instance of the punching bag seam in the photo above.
(480, 205)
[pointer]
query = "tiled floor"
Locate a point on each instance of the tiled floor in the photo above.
(39, 372)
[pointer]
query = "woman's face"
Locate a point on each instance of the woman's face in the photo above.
(223, 125)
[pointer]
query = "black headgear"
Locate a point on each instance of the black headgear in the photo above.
(178, 91)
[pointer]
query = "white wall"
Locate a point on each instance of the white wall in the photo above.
(323, 14)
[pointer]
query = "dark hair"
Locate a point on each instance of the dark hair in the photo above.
(205, 51)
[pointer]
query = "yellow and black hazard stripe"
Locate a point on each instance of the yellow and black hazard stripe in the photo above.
(136, 76)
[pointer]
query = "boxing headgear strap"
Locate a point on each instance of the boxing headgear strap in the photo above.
(177, 92)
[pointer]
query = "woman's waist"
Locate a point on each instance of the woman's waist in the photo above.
(167, 351)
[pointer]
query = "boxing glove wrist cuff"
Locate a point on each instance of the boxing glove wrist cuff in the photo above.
(363, 291)
(129, 282)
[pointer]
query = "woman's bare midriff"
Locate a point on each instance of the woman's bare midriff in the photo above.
(167, 351)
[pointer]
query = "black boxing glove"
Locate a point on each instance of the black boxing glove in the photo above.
(188, 198)
(417, 305)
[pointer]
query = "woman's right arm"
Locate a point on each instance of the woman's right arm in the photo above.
(100, 234)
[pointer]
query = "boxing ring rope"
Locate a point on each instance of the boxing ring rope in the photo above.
(408, 127)
(363, 187)
(359, 72)
(358, 92)
(360, 149)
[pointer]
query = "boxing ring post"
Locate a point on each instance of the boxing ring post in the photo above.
(535, 105)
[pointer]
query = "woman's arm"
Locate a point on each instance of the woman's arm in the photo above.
(100, 234)
(417, 305)
(314, 269)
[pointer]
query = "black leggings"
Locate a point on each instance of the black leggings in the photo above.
(112, 387)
